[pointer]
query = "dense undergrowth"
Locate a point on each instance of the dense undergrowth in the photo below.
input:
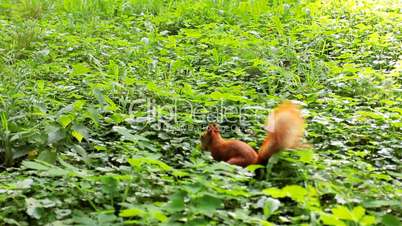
(102, 103)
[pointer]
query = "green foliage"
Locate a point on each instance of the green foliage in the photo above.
(102, 103)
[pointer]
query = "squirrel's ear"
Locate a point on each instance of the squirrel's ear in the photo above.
(215, 127)
(210, 127)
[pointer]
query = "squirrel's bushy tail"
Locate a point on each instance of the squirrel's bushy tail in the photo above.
(285, 128)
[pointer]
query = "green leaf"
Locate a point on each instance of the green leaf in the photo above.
(24, 184)
(40, 85)
(306, 156)
(390, 220)
(48, 156)
(381, 203)
(47, 169)
(329, 219)
(274, 192)
(77, 135)
(54, 134)
(253, 168)
(270, 206)
(79, 69)
(266, 223)
(296, 192)
(139, 161)
(81, 151)
(357, 213)
(80, 132)
(368, 114)
(65, 120)
(368, 220)
(180, 173)
(161, 217)
(126, 134)
(10, 221)
(343, 213)
(33, 208)
(176, 201)
(133, 212)
(78, 105)
(34, 165)
(111, 105)
(207, 203)
(226, 96)
(110, 185)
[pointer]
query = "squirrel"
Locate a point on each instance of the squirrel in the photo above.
(285, 129)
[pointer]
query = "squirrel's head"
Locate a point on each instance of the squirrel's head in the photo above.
(206, 137)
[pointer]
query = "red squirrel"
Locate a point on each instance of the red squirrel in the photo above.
(285, 129)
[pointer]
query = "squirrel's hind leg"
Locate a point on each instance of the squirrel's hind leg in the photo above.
(239, 161)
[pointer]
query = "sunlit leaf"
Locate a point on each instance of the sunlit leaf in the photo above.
(342, 212)
(79, 69)
(132, 212)
(329, 219)
(65, 120)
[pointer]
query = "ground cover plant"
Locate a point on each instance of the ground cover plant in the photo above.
(102, 104)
